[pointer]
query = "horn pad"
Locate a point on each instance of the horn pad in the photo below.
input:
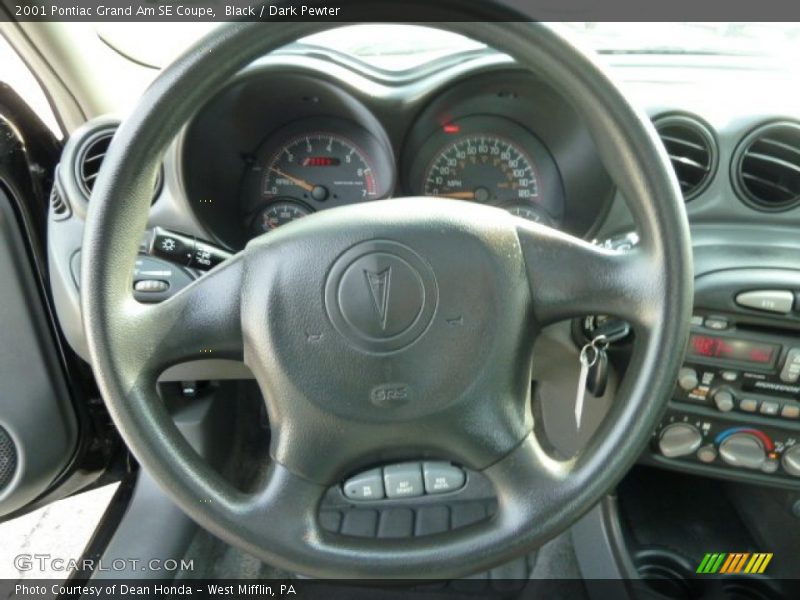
(381, 295)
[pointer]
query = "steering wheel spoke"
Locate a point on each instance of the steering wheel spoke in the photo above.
(202, 321)
(570, 278)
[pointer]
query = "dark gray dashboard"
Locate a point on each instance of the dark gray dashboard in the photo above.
(205, 170)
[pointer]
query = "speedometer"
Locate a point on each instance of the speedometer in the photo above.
(484, 168)
(319, 166)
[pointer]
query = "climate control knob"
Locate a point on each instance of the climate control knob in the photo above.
(791, 461)
(743, 450)
(679, 439)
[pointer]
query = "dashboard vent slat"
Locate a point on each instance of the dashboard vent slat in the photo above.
(692, 151)
(766, 167)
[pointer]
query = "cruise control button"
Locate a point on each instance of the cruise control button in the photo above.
(365, 486)
(151, 286)
(403, 480)
(774, 301)
(442, 477)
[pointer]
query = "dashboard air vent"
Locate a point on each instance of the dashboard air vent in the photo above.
(692, 151)
(766, 168)
(90, 159)
(59, 209)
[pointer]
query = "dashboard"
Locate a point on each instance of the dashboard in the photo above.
(300, 133)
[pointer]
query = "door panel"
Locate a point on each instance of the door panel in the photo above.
(38, 425)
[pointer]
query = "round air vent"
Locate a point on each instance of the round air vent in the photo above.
(766, 167)
(692, 151)
(90, 159)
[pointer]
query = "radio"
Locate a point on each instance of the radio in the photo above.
(735, 411)
(742, 370)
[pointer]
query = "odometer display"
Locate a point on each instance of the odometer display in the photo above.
(484, 168)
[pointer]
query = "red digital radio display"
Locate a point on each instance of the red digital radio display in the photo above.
(741, 351)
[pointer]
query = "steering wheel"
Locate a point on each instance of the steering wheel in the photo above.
(394, 329)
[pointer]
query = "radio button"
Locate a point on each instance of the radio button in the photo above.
(724, 400)
(790, 411)
(718, 323)
(791, 367)
(774, 301)
(748, 405)
(769, 408)
(729, 375)
(687, 379)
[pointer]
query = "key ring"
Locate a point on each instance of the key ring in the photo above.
(598, 345)
(584, 357)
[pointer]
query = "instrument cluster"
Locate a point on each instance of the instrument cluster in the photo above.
(281, 156)
(318, 164)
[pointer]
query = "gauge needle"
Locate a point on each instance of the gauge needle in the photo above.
(298, 182)
(459, 195)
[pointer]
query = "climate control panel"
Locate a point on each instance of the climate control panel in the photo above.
(698, 439)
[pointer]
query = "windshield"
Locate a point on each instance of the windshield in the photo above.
(691, 38)
(398, 47)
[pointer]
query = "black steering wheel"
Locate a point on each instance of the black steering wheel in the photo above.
(439, 299)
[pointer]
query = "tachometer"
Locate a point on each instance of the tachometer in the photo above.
(319, 166)
(485, 168)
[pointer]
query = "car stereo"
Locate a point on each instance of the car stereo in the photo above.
(735, 410)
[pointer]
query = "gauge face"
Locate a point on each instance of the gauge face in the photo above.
(279, 213)
(320, 167)
(483, 168)
(530, 213)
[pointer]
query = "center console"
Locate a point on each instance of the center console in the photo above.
(735, 410)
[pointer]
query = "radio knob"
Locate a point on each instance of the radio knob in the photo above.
(743, 450)
(791, 461)
(679, 439)
(724, 400)
(687, 379)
